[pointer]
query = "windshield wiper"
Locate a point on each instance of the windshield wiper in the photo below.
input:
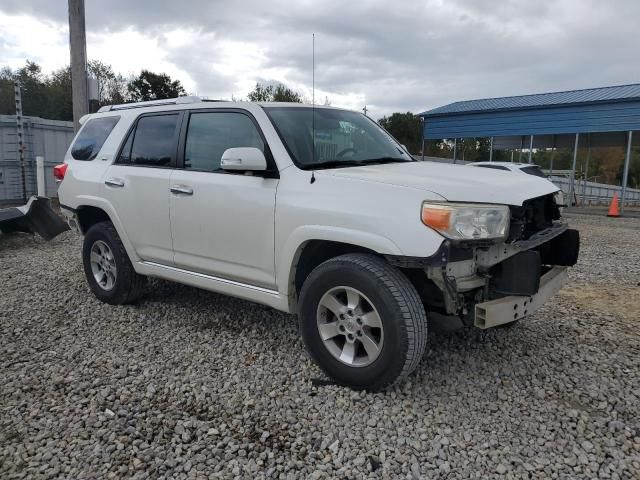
(389, 160)
(357, 163)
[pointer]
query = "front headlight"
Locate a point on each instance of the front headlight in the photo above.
(467, 221)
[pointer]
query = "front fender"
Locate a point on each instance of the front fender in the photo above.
(286, 258)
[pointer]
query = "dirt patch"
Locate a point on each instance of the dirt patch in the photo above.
(623, 301)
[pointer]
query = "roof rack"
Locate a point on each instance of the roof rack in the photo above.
(152, 103)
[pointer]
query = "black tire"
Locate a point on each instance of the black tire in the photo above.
(128, 286)
(400, 309)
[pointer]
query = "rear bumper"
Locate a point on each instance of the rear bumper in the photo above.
(509, 309)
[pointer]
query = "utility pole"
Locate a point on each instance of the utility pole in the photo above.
(365, 109)
(78, 47)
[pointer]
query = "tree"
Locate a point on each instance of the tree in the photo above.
(49, 95)
(42, 96)
(7, 102)
(59, 103)
(154, 86)
(112, 87)
(274, 93)
(406, 128)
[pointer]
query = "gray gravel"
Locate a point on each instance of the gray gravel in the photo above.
(190, 384)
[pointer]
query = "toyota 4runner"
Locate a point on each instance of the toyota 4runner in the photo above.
(315, 211)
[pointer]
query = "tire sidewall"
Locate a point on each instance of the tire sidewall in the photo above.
(390, 362)
(95, 233)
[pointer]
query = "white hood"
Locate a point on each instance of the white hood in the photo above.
(456, 183)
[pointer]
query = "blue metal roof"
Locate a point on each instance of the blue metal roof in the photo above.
(619, 93)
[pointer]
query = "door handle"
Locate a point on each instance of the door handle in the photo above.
(181, 190)
(114, 182)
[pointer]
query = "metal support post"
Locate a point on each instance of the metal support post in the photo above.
(491, 150)
(553, 155)
(530, 147)
(585, 177)
(625, 174)
(423, 123)
(521, 148)
(573, 170)
(455, 149)
(41, 182)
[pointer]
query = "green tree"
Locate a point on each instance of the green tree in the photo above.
(7, 102)
(112, 87)
(154, 86)
(49, 96)
(59, 104)
(438, 148)
(274, 93)
(35, 101)
(406, 128)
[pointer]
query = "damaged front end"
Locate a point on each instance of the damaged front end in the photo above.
(491, 283)
(36, 216)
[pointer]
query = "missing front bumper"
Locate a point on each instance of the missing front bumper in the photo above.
(509, 309)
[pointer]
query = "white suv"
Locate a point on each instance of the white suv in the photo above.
(316, 211)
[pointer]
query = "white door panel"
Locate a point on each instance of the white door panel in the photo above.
(140, 195)
(225, 227)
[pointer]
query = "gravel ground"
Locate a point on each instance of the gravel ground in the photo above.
(189, 384)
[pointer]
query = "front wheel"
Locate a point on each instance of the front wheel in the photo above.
(362, 321)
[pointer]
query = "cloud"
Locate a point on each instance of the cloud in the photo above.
(399, 56)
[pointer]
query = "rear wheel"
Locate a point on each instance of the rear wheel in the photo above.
(107, 267)
(362, 321)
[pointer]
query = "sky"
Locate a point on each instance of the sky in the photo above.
(388, 55)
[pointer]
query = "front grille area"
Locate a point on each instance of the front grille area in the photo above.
(534, 215)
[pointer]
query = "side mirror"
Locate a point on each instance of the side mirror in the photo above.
(243, 158)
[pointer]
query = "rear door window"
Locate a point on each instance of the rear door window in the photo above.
(92, 137)
(153, 143)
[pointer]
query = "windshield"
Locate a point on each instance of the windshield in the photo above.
(342, 138)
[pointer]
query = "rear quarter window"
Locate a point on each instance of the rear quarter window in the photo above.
(495, 167)
(534, 170)
(92, 137)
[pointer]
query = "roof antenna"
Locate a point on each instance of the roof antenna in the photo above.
(313, 102)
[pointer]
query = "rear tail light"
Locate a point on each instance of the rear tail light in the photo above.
(60, 170)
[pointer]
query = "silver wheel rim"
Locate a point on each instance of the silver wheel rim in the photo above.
(350, 326)
(103, 265)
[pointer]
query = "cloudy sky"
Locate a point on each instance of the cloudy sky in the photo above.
(390, 55)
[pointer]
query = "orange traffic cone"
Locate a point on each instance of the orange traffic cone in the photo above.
(614, 208)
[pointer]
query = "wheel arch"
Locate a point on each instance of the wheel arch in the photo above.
(88, 214)
(312, 253)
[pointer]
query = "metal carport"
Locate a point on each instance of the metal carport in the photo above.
(543, 120)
